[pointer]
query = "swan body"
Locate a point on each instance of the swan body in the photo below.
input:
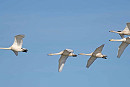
(124, 44)
(94, 55)
(64, 55)
(17, 45)
(126, 31)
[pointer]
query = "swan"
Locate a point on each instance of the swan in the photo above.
(126, 31)
(17, 45)
(124, 44)
(64, 55)
(94, 55)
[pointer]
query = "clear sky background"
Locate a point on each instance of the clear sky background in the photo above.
(53, 25)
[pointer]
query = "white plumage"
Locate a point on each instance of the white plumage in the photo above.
(126, 31)
(64, 55)
(17, 45)
(94, 55)
(125, 43)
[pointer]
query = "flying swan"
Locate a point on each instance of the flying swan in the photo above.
(17, 45)
(94, 55)
(64, 55)
(126, 31)
(124, 44)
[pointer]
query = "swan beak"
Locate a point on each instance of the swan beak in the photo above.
(49, 54)
(75, 55)
(111, 31)
(26, 51)
(105, 57)
(111, 40)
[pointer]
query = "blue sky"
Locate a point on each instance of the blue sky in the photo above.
(53, 25)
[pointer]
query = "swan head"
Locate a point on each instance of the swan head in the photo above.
(74, 55)
(24, 50)
(104, 56)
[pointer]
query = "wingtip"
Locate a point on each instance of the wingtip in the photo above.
(59, 70)
(20, 35)
(110, 40)
(16, 54)
(87, 67)
(103, 44)
(118, 56)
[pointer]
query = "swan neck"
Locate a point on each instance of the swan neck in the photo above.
(6, 48)
(54, 54)
(85, 54)
(115, 32)
(89, 54)
(117, 40)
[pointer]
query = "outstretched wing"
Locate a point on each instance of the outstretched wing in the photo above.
(128, 25)
(121, 49)
(90, 61)
(18, 41)
(99, 49)
(62, 61)
(16, 53)
(127, 28)
(122, 36)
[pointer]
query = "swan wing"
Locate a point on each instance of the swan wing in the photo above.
(121, 49)
(18, 41)
(68, 51)
(16, 53)
(62, 61)
(127, 28)
(99, 49)
(90, 61)
(128, 25)
(122, 36)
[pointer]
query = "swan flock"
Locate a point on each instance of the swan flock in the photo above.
(18, 42)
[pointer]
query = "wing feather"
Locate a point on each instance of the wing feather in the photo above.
(122, 36)
(16, 53)
(128, 25)
(62, 61)
(127, 28)
(18, 41)
(121, 49)
(99, 49)
(90, 61)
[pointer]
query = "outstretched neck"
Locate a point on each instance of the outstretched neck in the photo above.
(116, 32)
(117, 40)
(86, 54)
(6, 48)
(89, 54)
(54, 54)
